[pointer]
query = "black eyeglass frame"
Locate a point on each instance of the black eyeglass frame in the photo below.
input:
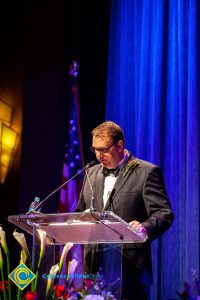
(103, 150)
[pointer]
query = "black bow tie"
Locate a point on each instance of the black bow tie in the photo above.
(108, 172)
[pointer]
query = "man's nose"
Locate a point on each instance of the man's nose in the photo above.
(99, 154)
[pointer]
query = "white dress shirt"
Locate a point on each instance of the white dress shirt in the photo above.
(111, 179)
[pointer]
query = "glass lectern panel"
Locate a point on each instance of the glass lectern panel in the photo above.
(97, 240)
(80, 228)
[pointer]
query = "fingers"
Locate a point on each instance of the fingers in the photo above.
(137, 225)
(134, 223)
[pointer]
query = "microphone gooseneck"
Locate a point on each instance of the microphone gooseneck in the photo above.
(86, 167)
(110, 200)
(92, 208)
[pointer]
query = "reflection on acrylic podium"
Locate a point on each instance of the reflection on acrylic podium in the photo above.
(97, 240)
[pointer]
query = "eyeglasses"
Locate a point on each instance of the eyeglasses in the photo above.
(101, 150)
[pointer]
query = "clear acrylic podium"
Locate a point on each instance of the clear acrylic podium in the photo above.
(101, 235)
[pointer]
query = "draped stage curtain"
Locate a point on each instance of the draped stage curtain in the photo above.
(153, 92)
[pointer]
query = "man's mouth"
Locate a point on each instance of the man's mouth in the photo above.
(102, 161)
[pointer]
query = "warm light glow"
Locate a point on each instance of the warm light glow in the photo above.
(9, 137)
(3, 174)
(6, 155)
(8, 141)
(5, 112)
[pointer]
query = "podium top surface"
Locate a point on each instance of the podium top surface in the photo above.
(80, 228)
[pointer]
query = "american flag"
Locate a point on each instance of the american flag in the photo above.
(73, 163)
(73, 160)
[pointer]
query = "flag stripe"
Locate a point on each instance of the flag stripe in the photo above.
(73, 163)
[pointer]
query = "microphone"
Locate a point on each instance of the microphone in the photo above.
(35, 207)
(92, 208)
(88, 179)
(91, 164)
(110, 201)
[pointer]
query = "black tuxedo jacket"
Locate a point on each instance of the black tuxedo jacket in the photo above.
(138, 194)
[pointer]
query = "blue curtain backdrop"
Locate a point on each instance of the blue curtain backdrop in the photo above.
(153, 92)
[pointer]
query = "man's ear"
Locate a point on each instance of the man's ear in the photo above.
(120, 146)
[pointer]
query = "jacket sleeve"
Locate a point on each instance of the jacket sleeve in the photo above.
(157, 204)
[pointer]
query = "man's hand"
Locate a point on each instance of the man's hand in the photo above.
(138, 226)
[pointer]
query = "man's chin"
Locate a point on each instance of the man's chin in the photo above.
(104, 164)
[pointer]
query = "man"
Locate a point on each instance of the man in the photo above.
(138, 197)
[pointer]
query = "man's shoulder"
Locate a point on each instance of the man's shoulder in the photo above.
(146, 164)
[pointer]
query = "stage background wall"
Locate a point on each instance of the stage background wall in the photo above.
(39, 42)
(153, 92)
